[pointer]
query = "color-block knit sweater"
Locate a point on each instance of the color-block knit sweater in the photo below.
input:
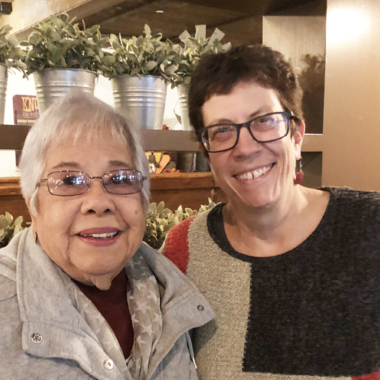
(310, 313)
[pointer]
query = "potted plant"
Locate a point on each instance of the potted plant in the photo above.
(10, 54)
(139, 69)
(189, 53)
(62, 56)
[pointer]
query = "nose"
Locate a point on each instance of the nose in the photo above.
(97, 200)
(247, 145)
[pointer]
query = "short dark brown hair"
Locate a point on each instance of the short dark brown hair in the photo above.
(218, 74)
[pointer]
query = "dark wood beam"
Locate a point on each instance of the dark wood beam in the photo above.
(12, 137)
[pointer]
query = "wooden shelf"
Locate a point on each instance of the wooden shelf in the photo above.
(13, 137)
(169, 141)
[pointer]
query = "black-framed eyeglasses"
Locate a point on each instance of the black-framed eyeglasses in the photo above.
(263, 129)
(66, 183)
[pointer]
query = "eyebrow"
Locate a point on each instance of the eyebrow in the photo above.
(120, 163)
(262, 110)
(75, 165)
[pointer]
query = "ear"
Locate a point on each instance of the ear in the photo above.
(203, 151)
(298, 137)
(32, 216)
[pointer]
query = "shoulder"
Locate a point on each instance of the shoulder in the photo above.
(347, 194)
(8, 289)
(176, 247)
(183, 235)
(356, 203)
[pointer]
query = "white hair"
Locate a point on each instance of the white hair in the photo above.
(77, 114)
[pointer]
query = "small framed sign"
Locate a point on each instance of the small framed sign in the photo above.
(25, 109)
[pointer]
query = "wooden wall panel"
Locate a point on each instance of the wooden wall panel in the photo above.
(302, 39)
(352, 95)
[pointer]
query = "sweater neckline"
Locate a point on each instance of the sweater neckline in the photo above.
(215, 226)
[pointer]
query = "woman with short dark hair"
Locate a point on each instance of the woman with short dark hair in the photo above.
(292, 273)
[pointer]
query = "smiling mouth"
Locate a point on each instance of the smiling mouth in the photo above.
(254, 174)
(108, 235)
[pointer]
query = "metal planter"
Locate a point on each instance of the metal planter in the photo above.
(53, 84)
(3, 90)
(183, 92)
(140, 99)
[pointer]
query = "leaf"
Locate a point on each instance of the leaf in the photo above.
(9, 218)
(150, 65)
(18, 220)
(200, 31)
(34, 39)
(56, 21)
(94, 29)
(56, 36)
(147, 31)
(161, 206)
(3, 222)
(5, 29)
(65, 17)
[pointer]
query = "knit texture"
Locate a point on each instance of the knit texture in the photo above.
(312, 311)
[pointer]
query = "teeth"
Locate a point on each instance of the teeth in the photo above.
(255, 174)
(101, 236)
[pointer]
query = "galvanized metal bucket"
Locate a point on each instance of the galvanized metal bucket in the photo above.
(3, 90)
(183, 92)
(140, 99)
(53, 84)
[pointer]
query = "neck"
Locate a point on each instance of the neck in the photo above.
(265, 228)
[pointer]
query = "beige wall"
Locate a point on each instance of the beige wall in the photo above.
(352, 95)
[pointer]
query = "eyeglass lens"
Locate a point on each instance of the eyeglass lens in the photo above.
(68, 183)
(264, 128)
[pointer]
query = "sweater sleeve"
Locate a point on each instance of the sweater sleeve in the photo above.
(176, 246)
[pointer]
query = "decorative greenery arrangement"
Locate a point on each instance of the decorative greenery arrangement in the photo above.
(10, 52)
(160, 220)
(9, 228)
(191, 49)
(59, 43)
(143, 55)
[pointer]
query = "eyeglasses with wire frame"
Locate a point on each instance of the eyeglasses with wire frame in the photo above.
(263, 129)
(66, 183)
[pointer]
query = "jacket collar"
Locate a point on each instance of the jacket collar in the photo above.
(47, 309)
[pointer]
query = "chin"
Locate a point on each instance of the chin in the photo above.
(100, 267)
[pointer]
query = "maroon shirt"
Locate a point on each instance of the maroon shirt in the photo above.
(113, 306)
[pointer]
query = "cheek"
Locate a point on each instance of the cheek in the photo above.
(54, 220)
(133, 214)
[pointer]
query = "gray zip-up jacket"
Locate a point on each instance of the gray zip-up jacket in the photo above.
(43, 336)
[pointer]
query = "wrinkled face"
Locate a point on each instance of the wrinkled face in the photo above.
(252, 174)
(69, 228)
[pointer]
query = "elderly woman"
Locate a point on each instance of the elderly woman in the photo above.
(292, 273)
(80, 296)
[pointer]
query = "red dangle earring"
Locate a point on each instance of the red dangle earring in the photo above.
(299, 173)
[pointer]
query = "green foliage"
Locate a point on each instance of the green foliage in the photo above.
(160, 220)
(10, 52)
(9, 228)
(143, 55)
(61, 43)
(191, 49)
